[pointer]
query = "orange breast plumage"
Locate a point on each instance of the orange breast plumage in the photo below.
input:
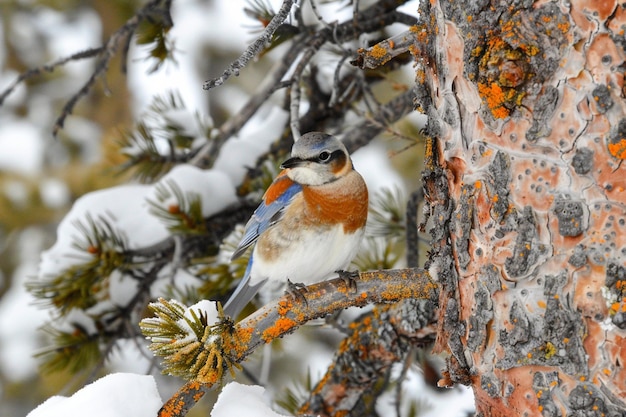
(336, 203)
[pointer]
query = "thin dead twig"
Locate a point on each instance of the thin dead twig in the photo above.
(254, 49)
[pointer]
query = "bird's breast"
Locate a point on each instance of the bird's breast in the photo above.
(303, 255)
(344, 202)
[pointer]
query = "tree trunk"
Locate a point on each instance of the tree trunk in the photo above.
(525, 188)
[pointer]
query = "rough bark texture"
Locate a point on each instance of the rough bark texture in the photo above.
(525, 188)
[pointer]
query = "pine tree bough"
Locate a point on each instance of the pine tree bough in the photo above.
(524, 189)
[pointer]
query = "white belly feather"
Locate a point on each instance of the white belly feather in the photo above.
(312, 257)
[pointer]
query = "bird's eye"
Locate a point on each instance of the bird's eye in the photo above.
(324, 156)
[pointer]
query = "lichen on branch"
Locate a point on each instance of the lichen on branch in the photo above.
(201, 351)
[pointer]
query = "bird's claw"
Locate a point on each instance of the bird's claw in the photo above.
(349, 278)
(297, 291)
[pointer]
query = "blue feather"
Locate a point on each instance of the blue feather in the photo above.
(265, 216)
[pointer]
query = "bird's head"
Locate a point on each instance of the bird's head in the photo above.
(316, 159)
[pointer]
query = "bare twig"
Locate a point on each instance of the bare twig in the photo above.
(294, 106)
(207, 155)
(388, 113)
(337, 95)
(384, 51)
(121, 38)
(254, 49)
(33, 72)
(406, 365)
(379, 15)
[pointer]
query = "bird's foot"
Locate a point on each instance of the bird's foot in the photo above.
(297, 291)
(349, 278)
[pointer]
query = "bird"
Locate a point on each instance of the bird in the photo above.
(309, 225)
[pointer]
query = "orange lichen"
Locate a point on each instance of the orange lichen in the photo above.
(377, 51)
(282, 326)
(495, 99)
(284, 307)
(197, 396)
(477, 51)
(530, 50)
(618, 150)
(243, 335)
(239, 341)
(175, 405)
(420, 75)
(172, 408)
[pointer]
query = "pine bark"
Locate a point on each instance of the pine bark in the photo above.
(525, 188)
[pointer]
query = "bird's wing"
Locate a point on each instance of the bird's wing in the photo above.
(276, 199)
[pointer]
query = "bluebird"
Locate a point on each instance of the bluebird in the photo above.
(309, 224)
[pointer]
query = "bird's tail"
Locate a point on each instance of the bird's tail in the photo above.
(242, 295)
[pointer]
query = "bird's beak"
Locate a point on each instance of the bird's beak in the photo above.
(292, 163)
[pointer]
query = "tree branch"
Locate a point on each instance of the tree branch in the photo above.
(285, 315)
(324, 298)
(121, 38)
(306, 46)
(33, 72)
(254, 49)
(386, 50)
(388, 113)
(377, 340)
(207, 155)
(107, 52)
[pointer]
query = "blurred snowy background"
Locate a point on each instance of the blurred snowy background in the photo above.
(41, 177)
